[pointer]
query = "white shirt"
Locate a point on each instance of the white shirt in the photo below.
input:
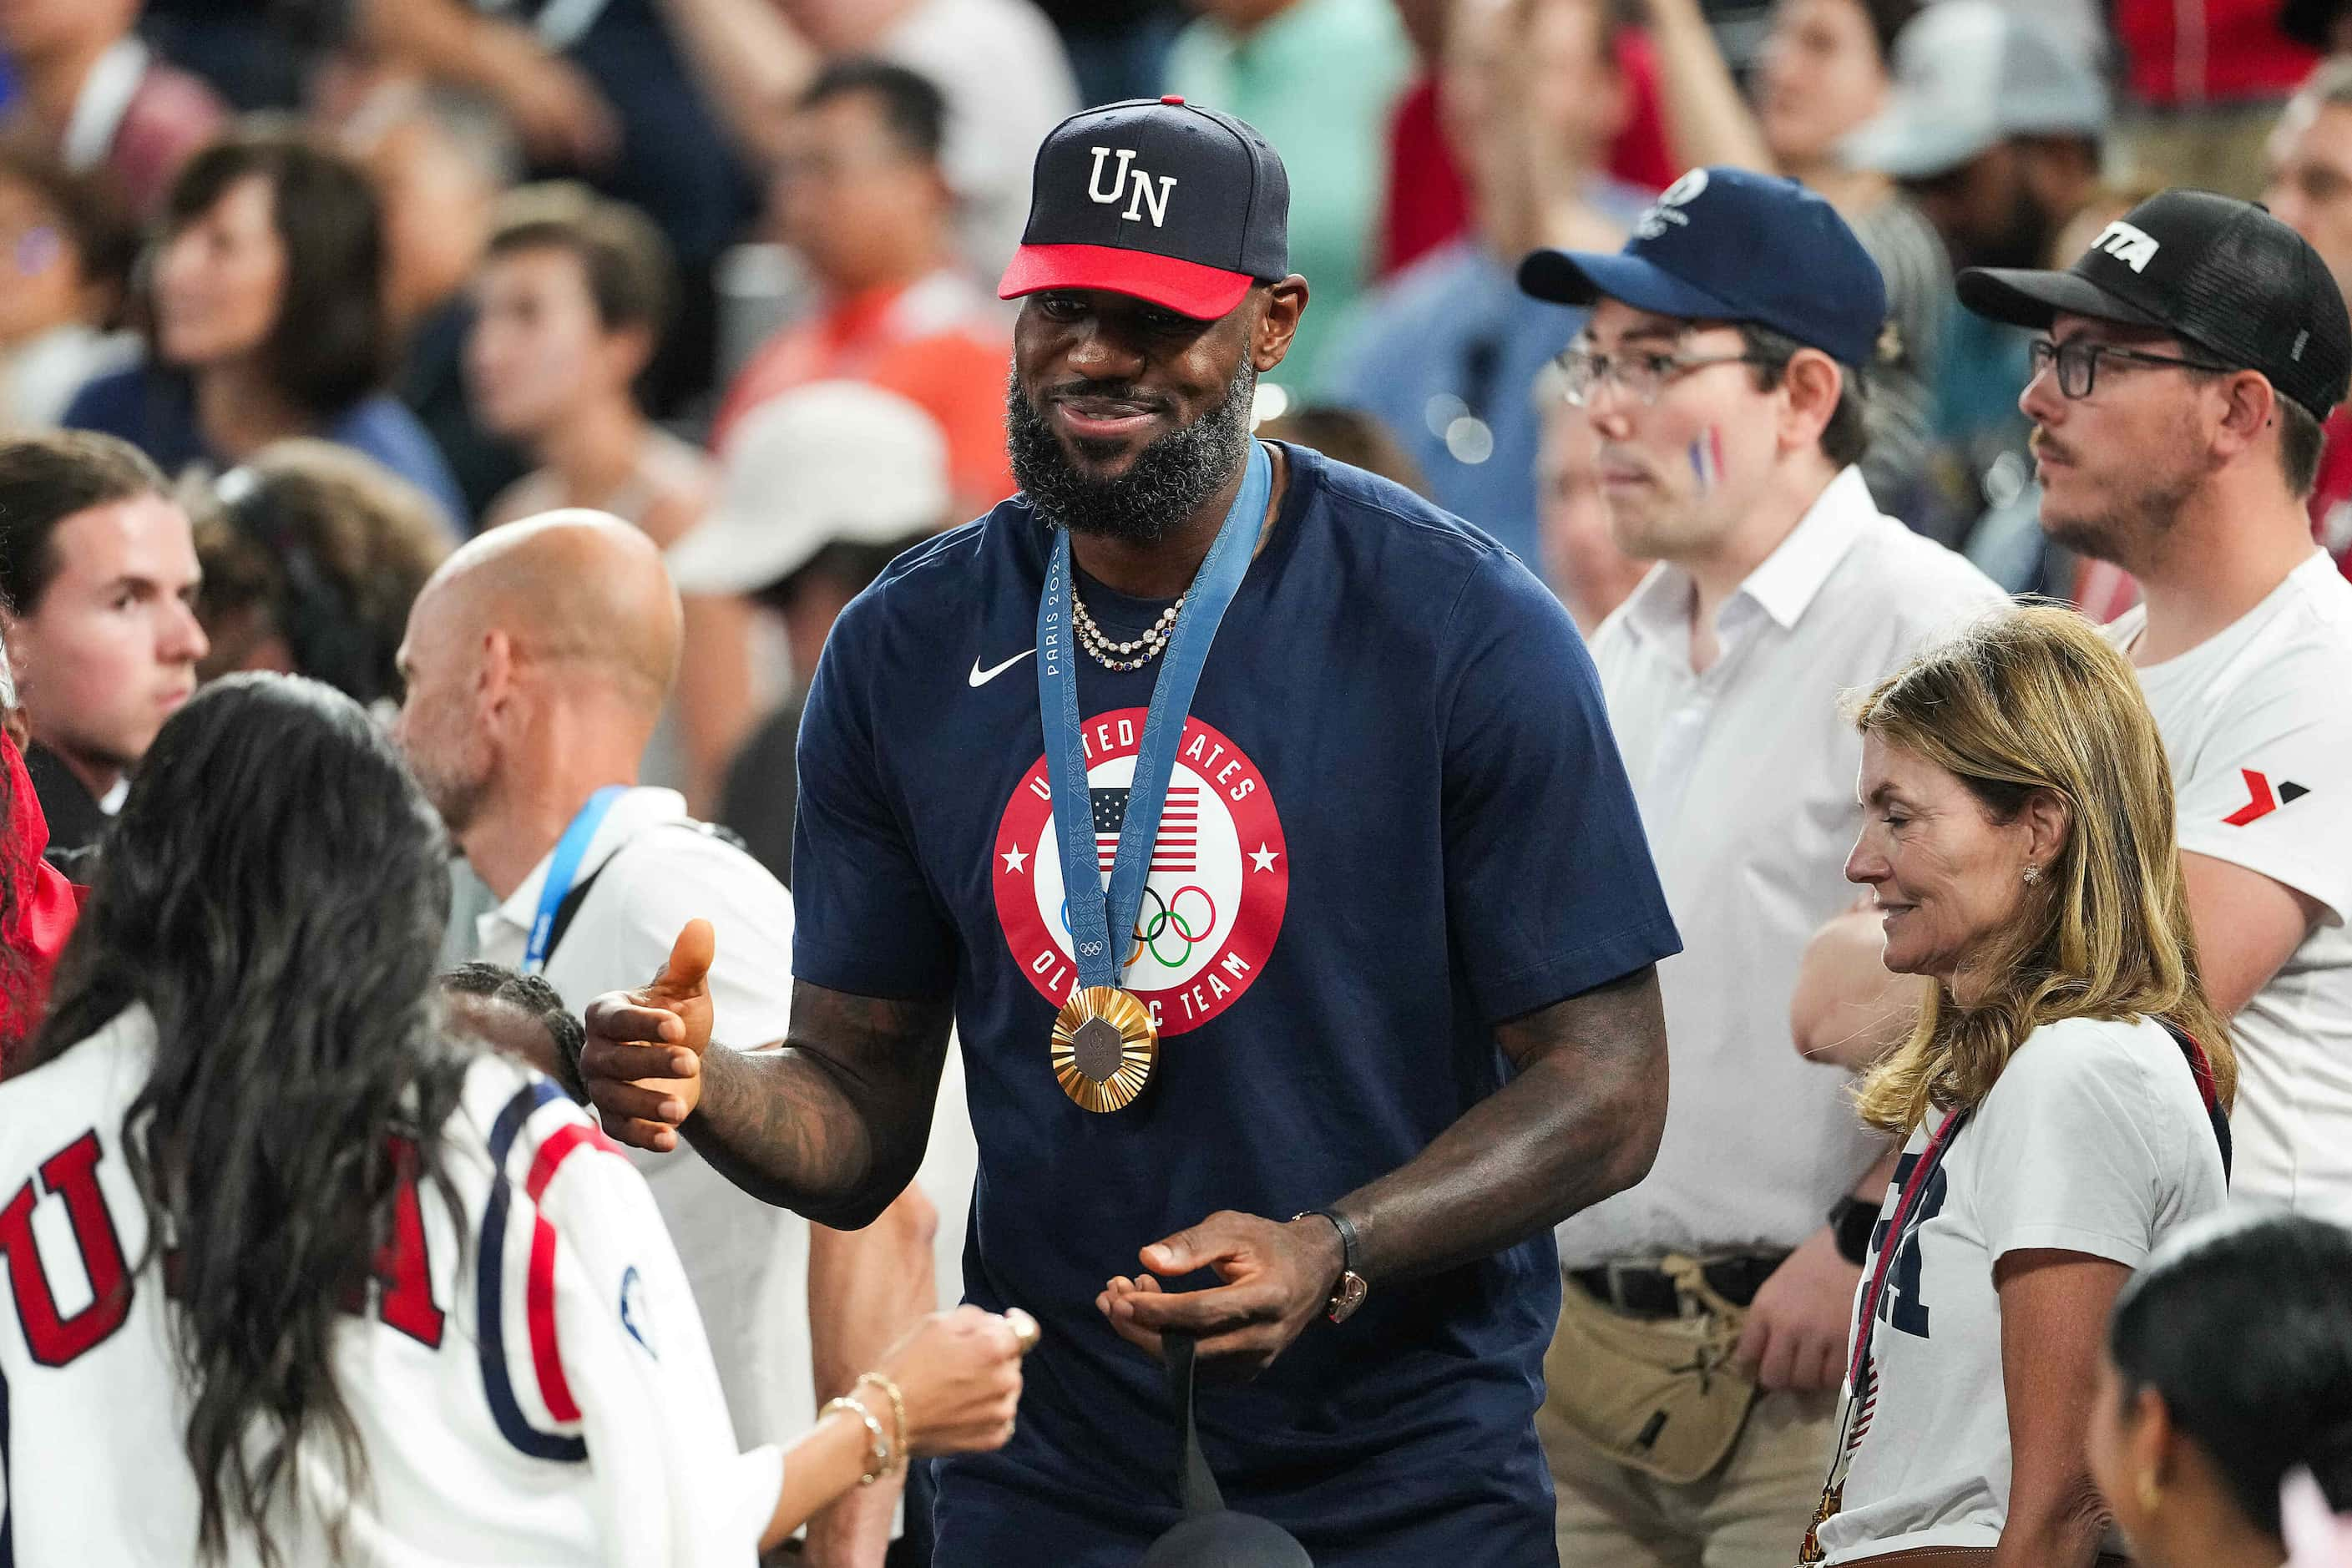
(1007, 82)
(1745, 776)
(747, 1262)
(2094, 1141)
(565, 1413)
(2257, 722)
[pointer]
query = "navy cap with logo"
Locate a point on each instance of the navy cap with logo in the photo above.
(1158, 198)
(2211, 270)
(1728, 245)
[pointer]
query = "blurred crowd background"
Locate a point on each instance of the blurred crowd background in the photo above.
(369, 276)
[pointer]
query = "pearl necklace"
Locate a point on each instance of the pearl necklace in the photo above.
(1111, 655)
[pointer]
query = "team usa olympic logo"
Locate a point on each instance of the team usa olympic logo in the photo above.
(1220, 873)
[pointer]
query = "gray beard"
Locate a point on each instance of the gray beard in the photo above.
(1164, 485)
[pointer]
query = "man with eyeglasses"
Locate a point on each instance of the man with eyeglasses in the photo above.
(1691, 1380)
(2191, 356)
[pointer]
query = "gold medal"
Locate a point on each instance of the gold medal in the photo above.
(1104, 1048)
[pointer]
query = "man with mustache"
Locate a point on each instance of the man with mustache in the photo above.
(1371, 1001)
(2187, 362)
(1722, 369)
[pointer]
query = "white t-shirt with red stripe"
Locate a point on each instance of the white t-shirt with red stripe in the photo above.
(2257, 724)
(530, 1382)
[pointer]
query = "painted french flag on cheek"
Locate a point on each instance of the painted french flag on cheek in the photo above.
(1706, 459)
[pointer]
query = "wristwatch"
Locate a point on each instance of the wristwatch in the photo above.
(1349, 1292)
(1851, 1222)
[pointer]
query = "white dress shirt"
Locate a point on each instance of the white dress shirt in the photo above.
(1745, 776)
(746, 1261)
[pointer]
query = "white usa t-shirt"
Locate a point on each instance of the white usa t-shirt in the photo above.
(2257, 722)
(2095, 1141)
(534, 1391)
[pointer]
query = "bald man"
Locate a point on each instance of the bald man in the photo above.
(536, 662)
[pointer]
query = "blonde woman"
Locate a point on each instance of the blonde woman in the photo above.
(2062, 1095)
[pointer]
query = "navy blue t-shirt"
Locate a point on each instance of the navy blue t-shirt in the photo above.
(1398, 819)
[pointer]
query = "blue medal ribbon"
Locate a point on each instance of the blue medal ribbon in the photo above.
(562, 868)
(1092, 915)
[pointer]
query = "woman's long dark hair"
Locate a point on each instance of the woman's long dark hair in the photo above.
(2243, 1327)
(274, 892)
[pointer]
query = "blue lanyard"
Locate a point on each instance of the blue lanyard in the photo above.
(1092, 916)
(562, 868)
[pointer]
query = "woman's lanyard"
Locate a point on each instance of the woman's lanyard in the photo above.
(1857, 1377)
(563, 867)
(1931, 1159)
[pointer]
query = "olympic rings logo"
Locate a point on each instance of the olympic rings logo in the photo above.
(1168, 921)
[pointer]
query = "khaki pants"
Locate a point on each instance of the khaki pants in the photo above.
(1750, 1512)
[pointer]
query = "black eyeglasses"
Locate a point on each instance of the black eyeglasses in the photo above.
(2078, 363)
(1641, 377)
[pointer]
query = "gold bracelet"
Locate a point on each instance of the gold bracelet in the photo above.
(881, 1445)
(898, 1407)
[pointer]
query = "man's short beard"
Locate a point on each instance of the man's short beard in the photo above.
(2130, 523)
(1165, 484)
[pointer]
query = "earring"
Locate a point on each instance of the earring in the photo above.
(2150, 1492)
(2033, 873)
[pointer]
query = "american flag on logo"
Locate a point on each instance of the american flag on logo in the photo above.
(1178, 847)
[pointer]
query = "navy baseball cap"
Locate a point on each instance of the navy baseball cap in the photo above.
(1727, 244)
(1158, 198)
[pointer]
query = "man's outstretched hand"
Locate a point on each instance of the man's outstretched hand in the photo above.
(643, 1060)
(1274, 1279)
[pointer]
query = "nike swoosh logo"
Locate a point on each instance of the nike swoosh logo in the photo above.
(980, 676)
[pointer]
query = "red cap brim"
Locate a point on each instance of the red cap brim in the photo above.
(1186, 287)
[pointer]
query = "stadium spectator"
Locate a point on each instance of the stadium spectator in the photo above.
(823, 487)
(268, 321)
(439, 159)
(1426, 204)
(411, 1299)
(537, 660)
(91, 93)
(2063, 1099)
(1993, 130)
(2227, 1370)
(1720, 369)
(1581, 559)
(2193, 351)
(864, 199)
(312, 556)
(1319, 80)
(604, 92)
(1823, 73)
(69, 247)
(2310, 190)
(1006, 82)
(1448, 354)
(571, 300)
(99, 574)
